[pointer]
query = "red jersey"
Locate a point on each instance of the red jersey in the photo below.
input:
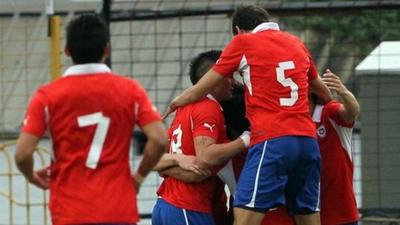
(203, 118)
(338, 203)
(276, 69)
(90, 114)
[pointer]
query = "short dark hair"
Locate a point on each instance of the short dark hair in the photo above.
(202, 63)
(87, 36)
(234, 111)
(248, 17)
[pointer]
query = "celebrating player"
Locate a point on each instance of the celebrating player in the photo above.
(197, 129)
(284, 159)
(90, 114)
(335, 121)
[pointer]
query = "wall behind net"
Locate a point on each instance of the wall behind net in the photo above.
(24, 65)
(157, 52)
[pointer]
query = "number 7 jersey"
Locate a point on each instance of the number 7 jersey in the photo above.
(90, 115)
(276, 68)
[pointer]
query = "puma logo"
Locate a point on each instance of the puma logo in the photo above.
(211, 127)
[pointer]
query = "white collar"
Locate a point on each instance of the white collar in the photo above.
(212, 97)
(85, 69)
(266, 26)
(215, 100)
(317, 114)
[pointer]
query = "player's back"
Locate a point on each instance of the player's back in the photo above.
(275, 67)
(91, 118)
(203, 118)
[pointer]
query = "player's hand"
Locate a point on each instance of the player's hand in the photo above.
(41, 178)
(173, 105)
(170, 109)
(178, 101)
(137, 181)
(185, 161)
(334, 83)
(245, 137)
(188, 162)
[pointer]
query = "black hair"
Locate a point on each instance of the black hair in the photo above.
(314, 99)
(87, 36)
(248, 17)
(202, 63)
(234, 111)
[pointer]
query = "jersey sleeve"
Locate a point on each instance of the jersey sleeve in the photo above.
(35, 117)
(230, 58)
(312, 71)
(207, 120)
(332, 110)
(145, 111)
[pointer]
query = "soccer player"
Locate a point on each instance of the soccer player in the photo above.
(335, 121)
(90, 114)
(284, 159)
(236, 124)
(197, 129)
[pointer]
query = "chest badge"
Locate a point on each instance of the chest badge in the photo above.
(321, 131)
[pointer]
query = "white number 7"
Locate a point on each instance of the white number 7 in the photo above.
(99, 136)
(287, 82)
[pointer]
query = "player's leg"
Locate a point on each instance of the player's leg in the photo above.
(303, 187)
(308, 219)
(262, 182)
(278, 216)
(246, 216)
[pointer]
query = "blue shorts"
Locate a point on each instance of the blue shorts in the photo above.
(284, 170)
(167, 214)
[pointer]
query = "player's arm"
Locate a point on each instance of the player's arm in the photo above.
(167, 160)
(184, 175)
(350, 109)
(196, 92)
(185, 162)
(320, 89)
(25, 148)
(209, 154)
(317, 86)
(33, 128)
(153, 150)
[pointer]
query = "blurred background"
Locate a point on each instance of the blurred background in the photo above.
(154, 40)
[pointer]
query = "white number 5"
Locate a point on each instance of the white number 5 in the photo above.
(96, 147)
(287, 82)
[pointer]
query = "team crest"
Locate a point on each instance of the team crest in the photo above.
(321, 131)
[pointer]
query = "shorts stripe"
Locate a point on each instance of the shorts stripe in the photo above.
(319, 197)
(253, 198)
(186, 219)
